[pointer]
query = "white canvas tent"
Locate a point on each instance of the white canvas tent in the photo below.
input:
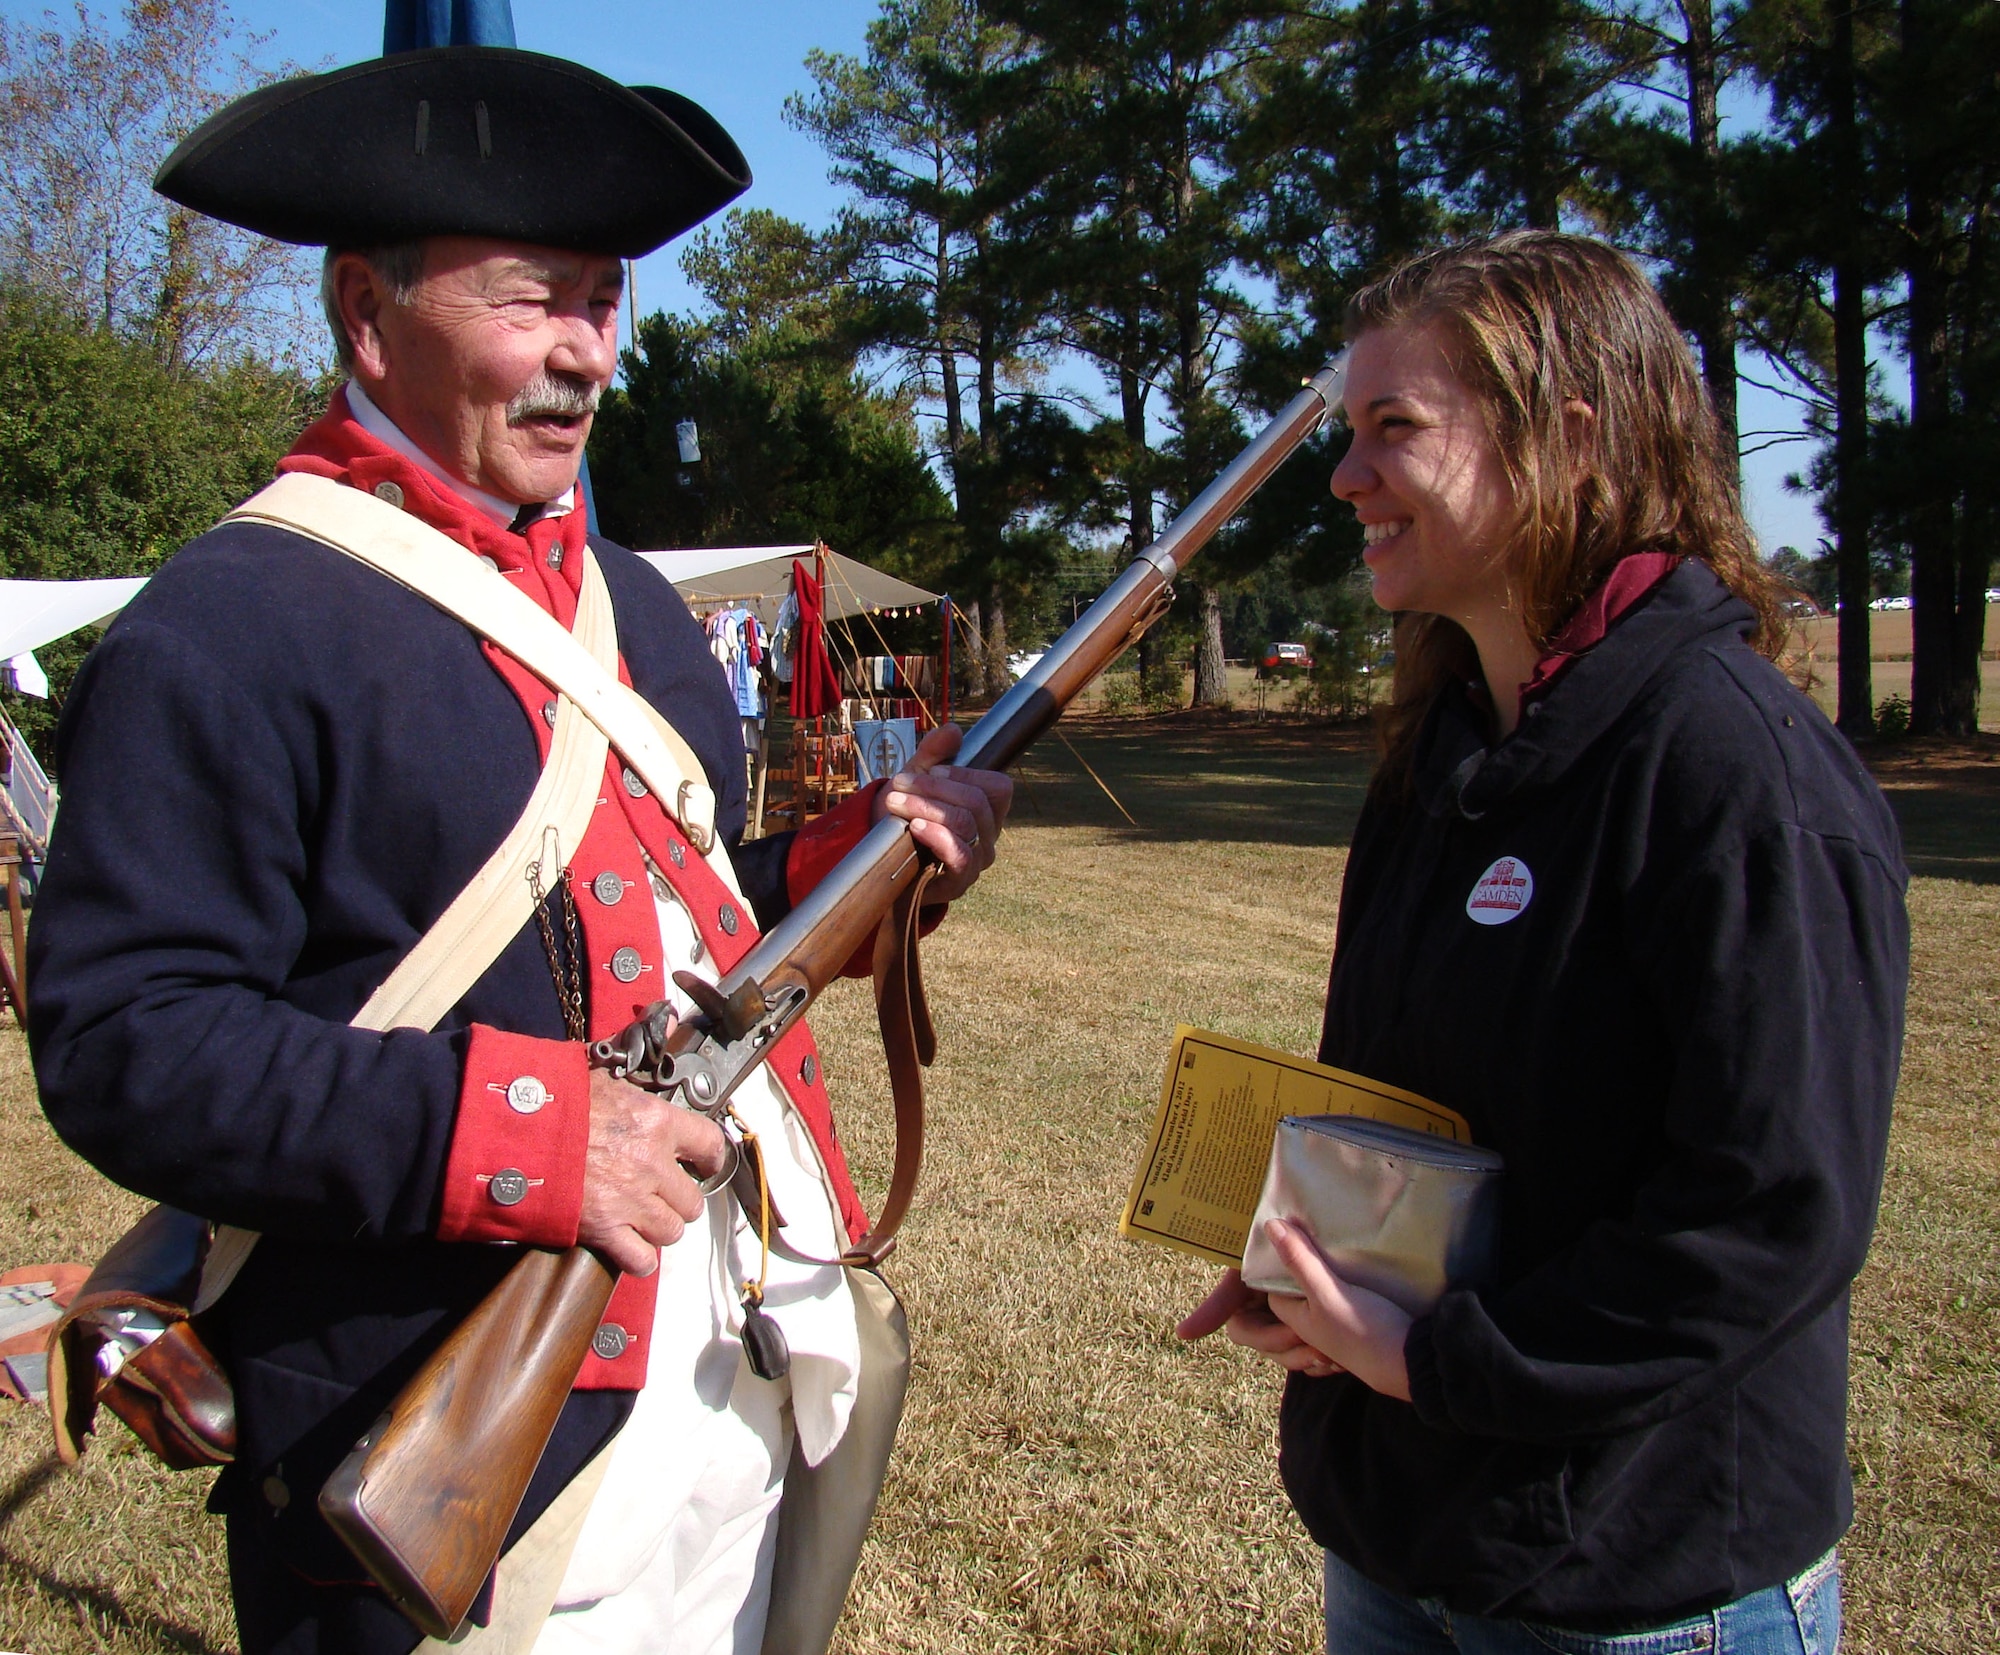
(34, 613)
(760, 576)
(38, 612)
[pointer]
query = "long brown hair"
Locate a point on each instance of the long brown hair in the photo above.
(1533, 321)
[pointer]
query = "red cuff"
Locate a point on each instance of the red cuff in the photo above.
(515, 1172)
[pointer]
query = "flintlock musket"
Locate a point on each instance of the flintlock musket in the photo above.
(427, 1495)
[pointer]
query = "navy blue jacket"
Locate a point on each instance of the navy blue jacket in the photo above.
(278, 768)
(1685, 1046)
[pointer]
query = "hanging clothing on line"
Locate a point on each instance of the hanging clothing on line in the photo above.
(785, 639)
(737, 639)
(815, 687)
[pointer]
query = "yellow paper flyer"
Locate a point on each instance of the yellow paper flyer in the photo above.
(1198, 1182)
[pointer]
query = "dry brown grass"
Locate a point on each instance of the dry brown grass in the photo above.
(1070, 1477)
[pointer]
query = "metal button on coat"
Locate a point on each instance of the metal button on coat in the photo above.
(626, 964)
(275, 1491)
(610, 1341)
(809, 1069)
(555, 557)
(509, 1187)
(389, 494)
(633, 785)
(549, 712)
(608, 888)
(727, 919)
(526, 1094)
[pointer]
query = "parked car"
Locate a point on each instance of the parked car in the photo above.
(1892, 603)
(1286, 658)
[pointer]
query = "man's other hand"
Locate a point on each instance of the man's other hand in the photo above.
(640, 1189)
(954, 812)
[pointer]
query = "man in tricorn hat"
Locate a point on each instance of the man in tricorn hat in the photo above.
(280, 768)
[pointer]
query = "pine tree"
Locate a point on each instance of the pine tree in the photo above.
(920, 129)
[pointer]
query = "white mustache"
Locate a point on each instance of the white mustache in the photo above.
(560, 395)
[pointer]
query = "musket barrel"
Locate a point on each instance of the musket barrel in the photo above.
(425, 1498)
(1102, 633)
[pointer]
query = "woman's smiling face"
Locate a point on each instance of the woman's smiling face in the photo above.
(1426, 480)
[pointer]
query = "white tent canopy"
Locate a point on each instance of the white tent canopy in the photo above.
(760, 576)
(37, 612)
(34, 613)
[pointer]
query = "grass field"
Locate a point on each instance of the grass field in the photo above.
(1070, 1477)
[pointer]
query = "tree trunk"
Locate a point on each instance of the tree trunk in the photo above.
(174, 307)
(1211, 671)
(1715, 326)
(972, 659)
(1975, 569)
(999, 680)
(1932, 584)
(1856, 703)
(1975, 412)
(1541, 193)
(1138, 491)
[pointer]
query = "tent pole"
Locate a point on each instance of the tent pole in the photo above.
(763, 767)
(944, 679)
(14, 978)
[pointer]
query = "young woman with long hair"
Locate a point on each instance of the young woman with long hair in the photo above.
(1623, 899)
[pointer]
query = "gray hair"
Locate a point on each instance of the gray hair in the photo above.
(398, 266)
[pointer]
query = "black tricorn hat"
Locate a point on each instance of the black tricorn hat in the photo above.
(459, 140)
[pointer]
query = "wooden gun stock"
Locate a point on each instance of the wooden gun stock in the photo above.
(427, 1496)
(425, 1499)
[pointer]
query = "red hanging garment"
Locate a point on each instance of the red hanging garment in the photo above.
(815, 689)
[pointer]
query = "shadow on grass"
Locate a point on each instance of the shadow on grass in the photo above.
(1229, 778)
(93, 1606)
(96, 1607)
(1201, 778)
(1946, 796)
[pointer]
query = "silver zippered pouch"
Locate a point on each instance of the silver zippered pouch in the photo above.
(1401, 1213)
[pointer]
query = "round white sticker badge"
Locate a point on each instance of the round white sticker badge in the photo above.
(1502, 892)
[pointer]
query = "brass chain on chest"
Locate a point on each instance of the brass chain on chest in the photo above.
(568, 974)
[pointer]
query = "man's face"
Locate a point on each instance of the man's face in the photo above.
(495, 365)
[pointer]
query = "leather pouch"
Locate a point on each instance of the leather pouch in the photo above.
(131, 1318)
(1401, 1213)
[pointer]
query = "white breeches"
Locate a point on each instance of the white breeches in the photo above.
(675, 1556)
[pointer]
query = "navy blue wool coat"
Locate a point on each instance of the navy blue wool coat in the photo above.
(278, 768)
(1684, 1042)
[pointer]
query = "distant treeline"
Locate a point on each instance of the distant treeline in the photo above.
(1182, 194)
(1087, 247)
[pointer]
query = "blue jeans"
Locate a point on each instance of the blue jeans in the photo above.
(1801, 1617)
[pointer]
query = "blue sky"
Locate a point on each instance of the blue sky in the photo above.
(740, 59)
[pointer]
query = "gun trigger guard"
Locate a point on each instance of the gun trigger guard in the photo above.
(722, 1179)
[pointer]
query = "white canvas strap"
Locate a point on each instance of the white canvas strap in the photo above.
(499, 899)
(436, 567)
